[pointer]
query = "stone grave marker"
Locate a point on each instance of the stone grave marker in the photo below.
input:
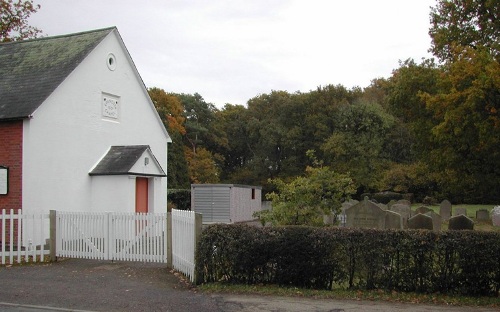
(482, 215)
(404, 211)
(445, 209)
(461, 222)
(436, 220)
(393, 220)
(495, 216)
(365, 214)
(460, 211)
(404, 202)
(383, 206)
(391, 202)
(420, 221)
(423, 210)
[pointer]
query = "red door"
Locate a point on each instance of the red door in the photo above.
(141, 195)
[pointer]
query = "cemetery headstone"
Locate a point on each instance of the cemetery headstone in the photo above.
(495, 216)
(404, 202)
(420, 221)
(460, 211)
(423, 210)
(445, 209)
(482, 215)
(365, 214)
(436, 220)
(461, 222)
(393, 220)
(404, 211)
(391, 202)
(329, 219)
(383, 206)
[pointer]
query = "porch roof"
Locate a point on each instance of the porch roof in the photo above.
(125, 160)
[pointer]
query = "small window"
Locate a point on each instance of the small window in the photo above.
(253, 193)
(111, 61)
(4, 180)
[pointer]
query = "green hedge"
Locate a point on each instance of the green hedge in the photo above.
(180, 198)
(453, 262)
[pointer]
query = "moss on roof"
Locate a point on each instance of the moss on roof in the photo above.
(31, 70)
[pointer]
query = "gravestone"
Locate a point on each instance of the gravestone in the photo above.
(495, 216)
(393, 220)
(391, 202)
(482, 215)
(460, 211)
(404, 202)
(422, 210)
(329, 219)
(383, 206)
(461, 222)
(365, 214)
(445, 210)
(436, 220)
(404, 211)
(420, 221)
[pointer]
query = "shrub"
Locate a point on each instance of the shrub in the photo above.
(180, 198)
(454, 262)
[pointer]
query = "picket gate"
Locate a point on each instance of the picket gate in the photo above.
(112, 236)
(184, 241)
(22, 237)
(152, 237)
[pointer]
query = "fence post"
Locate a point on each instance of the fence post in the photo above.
(169, 241)
(198, 227)
(53, 234)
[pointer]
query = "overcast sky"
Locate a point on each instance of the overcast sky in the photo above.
(230, 51)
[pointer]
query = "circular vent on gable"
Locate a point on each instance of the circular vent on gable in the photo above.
(111, 61)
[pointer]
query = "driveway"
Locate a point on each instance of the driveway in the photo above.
(90, 285)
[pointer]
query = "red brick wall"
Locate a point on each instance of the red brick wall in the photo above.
(11, 156)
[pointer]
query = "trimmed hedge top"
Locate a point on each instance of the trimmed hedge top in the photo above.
(455, 262)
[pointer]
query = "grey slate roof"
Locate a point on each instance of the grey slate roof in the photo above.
(120, 159)
(31, 70)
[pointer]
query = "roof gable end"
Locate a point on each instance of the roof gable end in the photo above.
(31, 70)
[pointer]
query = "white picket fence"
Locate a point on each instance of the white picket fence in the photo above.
(184, 241)
(23, 237)
(103, 236)
(112, 236)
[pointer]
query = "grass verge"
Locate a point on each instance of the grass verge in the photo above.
(374, 295)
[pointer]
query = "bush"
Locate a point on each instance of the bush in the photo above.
(180, 198)
(454, 262)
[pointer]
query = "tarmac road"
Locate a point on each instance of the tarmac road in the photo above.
(90, 285)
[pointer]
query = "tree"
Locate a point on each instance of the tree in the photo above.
(467, 135)
(465, 23)
(233, 121)
(202, 166)
(14, 20)
(357, 145)
(403, 100)
(171, 112)
(307, 198)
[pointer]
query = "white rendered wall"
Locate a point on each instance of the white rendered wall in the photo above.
(242, 204)
(67, 136)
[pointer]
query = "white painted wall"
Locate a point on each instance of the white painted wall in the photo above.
(242, 204)
(67, 136)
